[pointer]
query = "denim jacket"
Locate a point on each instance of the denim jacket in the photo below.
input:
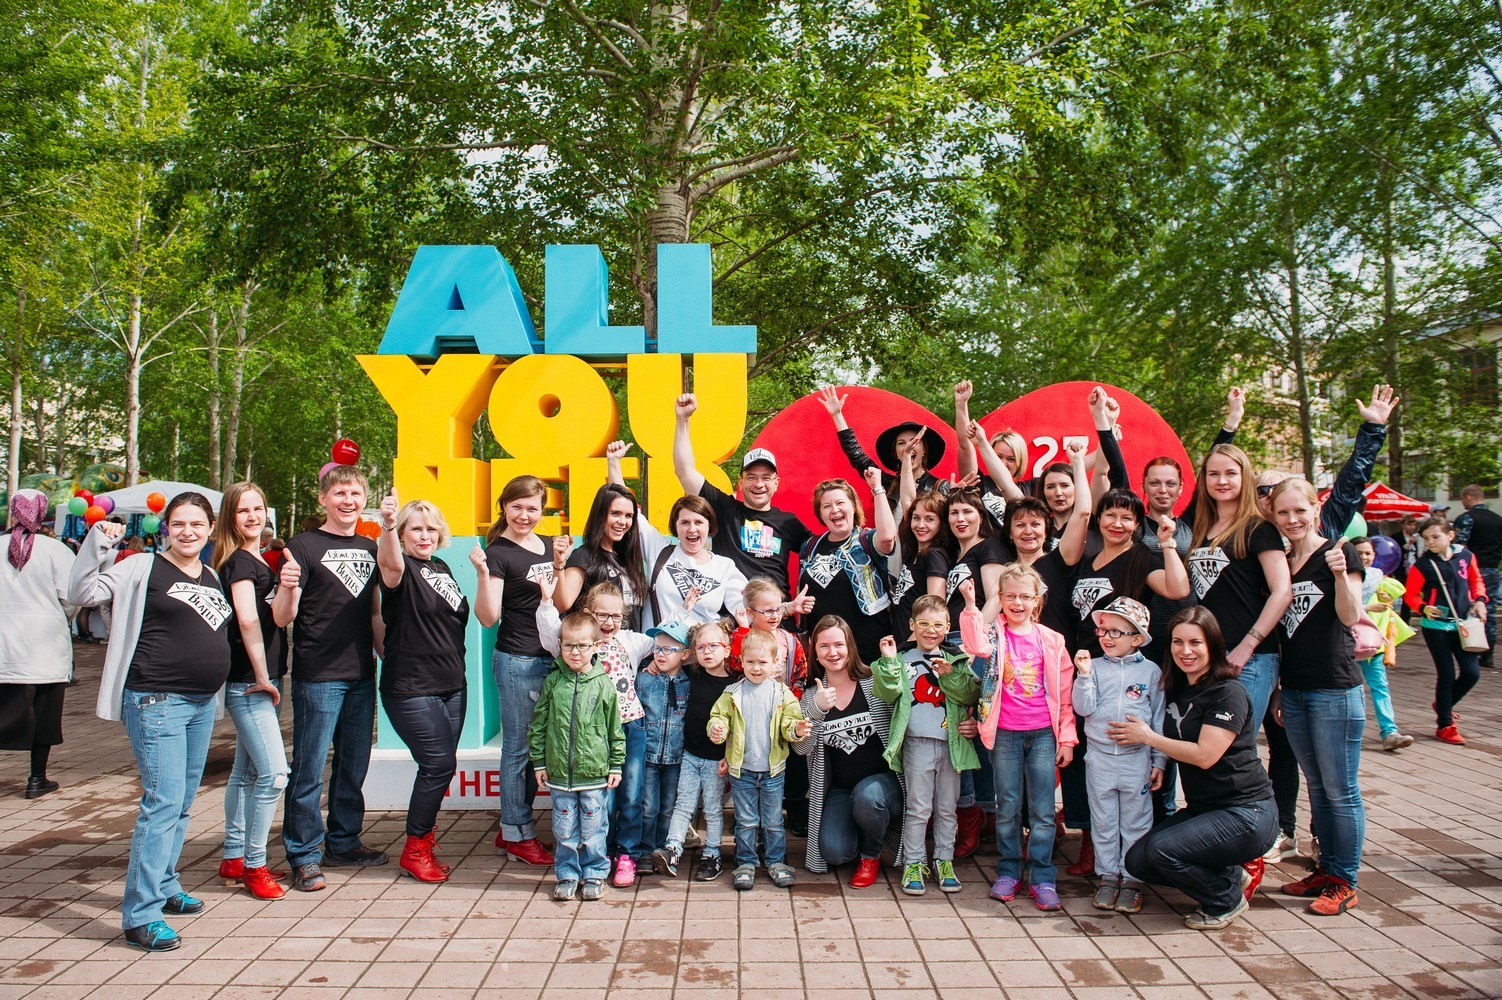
(665, 700)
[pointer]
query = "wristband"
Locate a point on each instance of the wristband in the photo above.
(878, 493)
(1255, 634)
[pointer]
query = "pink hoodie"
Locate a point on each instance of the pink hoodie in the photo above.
(1058, 676)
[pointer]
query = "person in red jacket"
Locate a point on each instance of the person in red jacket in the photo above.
(1444, 579)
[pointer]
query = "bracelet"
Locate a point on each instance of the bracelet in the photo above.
(1255, 634)
(878, 493)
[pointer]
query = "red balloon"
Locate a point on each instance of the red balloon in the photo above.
(155, 503)
(345, 452)
(84, 494)
(368, 529)
(94, 515)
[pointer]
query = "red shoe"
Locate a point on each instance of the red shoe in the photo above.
(418, 862)
(1310, 885)
(1337, 897)
(530, 852)
(866, 871)
(500, 841)
(967, 837)
(232, 870)
(1086, 863)
(1451, 735)
(1251, 877)
(262, 884)
(432, 842)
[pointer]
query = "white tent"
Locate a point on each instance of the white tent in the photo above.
(132, 499)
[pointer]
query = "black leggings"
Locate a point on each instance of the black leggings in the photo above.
(1450, 687)
(1283, 769)
(430, 726)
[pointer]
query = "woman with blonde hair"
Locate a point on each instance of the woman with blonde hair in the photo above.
(844, 570)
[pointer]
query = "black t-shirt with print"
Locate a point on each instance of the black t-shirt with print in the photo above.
(1319, 650)
(1238, 778)
(759, 542)
(425, 615)
(607, 569)
(184, 643)
(968, 567)
(1235, 589)
(992, 500)
(829, 585)
(242, 565)
(852, 748)
(1094, 587)
(912, 583)
(519, 569)
(703, 691)
(332, 638)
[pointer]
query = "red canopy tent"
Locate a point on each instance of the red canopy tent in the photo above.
(1383, 503)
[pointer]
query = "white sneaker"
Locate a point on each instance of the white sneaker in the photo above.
(1284, 846)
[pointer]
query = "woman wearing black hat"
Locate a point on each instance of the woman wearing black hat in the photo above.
(892, 446)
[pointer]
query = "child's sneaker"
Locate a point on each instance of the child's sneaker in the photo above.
(1004, 889)
(709, 868)
(1046, 896)
(566, 890)
(1106, 894)
(912, 878)
(594, 888)
(782, 875)
(945, 876)
(1129, 900)
(625, 872)
(744, 877)
(665, 860)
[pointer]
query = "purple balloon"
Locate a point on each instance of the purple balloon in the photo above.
(105, 504)
(1389, 554)
(325, 470)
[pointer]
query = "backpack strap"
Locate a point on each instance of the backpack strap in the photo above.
(662, 560)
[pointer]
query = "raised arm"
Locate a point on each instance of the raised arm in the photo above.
(614, 452)
(389, 549)
(886, 525)
(965, 460)
(1072, 541)
(995, 467)
(834, 405)
(91, 583)
(1172, 581)
(1235, 410)
(1350, 483)
(688, 472)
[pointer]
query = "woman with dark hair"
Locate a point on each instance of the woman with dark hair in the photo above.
(923, 543)
(844, 570)
(893, 446)
(518, 559)
(853, 796)
(610, 553)
(978, 555)
(1229, 814)
(168, 657)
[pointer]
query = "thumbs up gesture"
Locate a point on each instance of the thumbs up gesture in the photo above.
(477, 559)
(291, 575)
(823, 696)
(389, 506)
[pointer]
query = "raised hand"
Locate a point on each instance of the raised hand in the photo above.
(1074, 447)
(562, 544)
(1335, 558)
(834, 403)
(1379, 410)
(962, 392)
(1113, 411)
(873, 479)
(477, 560)
(1166, 532)
(616, 450)
(1082, 663)
(802, 604)
(964, 482)
(940, 663)
(691, 598)
(546, 585)
(686, 405)
(389, 506)
(291, 574)
(1096, 401)
(110, 530)
(823, 696)
(1235, 406)
(888, 646)
(967, 591)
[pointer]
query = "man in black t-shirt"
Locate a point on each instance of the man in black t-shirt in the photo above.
(328, 586)
(1480, 530)
(759, 538)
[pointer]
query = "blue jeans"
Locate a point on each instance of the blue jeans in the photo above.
(1324, 728)
(758, 805)
(624, 802)
(519, 680)
(1375, 672)
(1023, 763)
(169, 734)
(659, 793)
(855, 821)
(1260, 678)
(1200, 853)
(430, 726)
(579, 821)
(338, 714)
(699, 781)
(258, 776)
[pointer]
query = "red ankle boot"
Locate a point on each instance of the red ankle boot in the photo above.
(967, 836)
(1086, 864)
(531, 852)
(260, 883)
(418, 862)
(432, 841)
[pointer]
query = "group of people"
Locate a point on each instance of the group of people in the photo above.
(918, 681)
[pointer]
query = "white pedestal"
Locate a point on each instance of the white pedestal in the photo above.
(476, 785)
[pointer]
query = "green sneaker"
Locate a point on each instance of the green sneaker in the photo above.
(912, 878)
(947, 881)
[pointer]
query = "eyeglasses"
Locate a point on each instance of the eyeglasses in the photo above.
(758, 480)
(923, 626)
(578, 647)
(605, 619)
(668, 650)
(1113, 633)
(705, 647)
(1019, 598)
(767, 612)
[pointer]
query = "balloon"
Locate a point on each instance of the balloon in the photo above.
(85, 495)
(105, 504)
(345, 452)
(1357, 527)
(368, 529)
(155, 503)
(1389, 554)
(94, 515)
(325, 470)
(151, 524)
(77, 506)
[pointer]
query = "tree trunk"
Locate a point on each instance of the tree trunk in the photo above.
(13, 469)
(1390, 335)
(133, 393)
(211, 336)
(39, 425)
(1296, 347)
(237, 381)
(177, 441)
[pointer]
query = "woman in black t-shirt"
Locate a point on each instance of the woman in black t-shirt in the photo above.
(978, 555)
(845, 569)
(1323, 706)
(168, 657)
(610, 553)
(518, 559)
(853, 796)
(923, 546)
(258, 661)
(1122, 565)
(1229, 815)
(423, 685)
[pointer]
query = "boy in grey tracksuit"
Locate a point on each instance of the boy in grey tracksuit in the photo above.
(1119, 779)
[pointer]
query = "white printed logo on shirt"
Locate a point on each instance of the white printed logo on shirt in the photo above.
(1205, 567)
(904, 583)
(995, 504)
(822, 569)
(540, 573)
(1089, 591)
(1306, 594)
(686, 578)
(351, 566)
(209, 602)
(443, 585)
(848, 734)
(958, 575)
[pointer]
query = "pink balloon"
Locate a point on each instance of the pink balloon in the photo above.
(106, 503)
(325, 470)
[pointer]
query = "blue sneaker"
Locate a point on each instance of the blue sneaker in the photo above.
(183, 903)
(912, 878)
(945, 874)
(155, 936)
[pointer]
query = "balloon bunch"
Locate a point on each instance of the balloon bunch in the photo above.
(91, 508)
(152, 523)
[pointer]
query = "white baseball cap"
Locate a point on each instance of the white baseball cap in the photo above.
(758, 455)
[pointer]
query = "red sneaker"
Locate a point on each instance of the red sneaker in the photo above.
(1337, 897)
(1251, 877)
(1310, 885)
(530, 852)
(866, 871)
(1450, 734)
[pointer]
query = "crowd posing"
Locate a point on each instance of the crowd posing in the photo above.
(906, 688)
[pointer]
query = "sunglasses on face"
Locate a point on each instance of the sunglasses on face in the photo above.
(1264, 491)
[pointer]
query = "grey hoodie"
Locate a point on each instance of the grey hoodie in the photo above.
(1114, 689)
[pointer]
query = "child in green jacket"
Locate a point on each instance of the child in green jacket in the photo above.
(578, 748)
(929, 690)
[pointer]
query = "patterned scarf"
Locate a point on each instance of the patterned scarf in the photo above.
(27, 508)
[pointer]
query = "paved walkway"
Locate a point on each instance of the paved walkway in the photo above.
(1428, 925)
